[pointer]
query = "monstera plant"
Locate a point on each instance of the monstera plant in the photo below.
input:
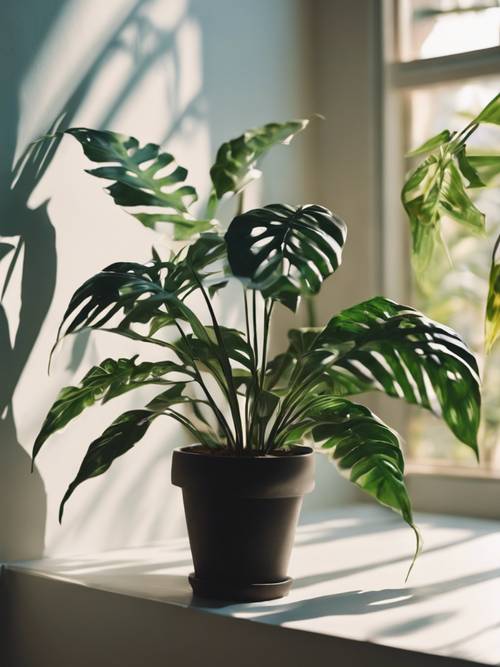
(252, 417)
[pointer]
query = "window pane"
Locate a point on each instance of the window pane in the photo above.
(432, 28)
(457, 293)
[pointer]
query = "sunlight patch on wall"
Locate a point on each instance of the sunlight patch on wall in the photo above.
(134, 68)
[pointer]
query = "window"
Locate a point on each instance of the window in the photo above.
(433, 28)
(443, 67)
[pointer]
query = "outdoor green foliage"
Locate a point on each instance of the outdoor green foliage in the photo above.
(275, 254)
(440, 187)
(493, 303)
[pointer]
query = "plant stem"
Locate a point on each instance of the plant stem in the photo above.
(463, 135)
(267, 320)
(241, 201)
(254, 324)
(256, 391)
(211, 205)
(222, 420)
(292, 399)
(254, 373)
(226, 366)
(312, 315)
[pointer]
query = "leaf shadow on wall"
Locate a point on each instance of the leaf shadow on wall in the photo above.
(32, 251)
(29, 249)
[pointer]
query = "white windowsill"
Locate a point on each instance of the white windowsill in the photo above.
(349, 603)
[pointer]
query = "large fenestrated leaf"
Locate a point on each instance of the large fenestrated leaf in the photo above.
(285, 251)
(132, 290)
(364, 449)
(145, 293)
(492, 333)
(143, 177)
(381, 345)
(109, 379)
(236, 159)
(121, 436)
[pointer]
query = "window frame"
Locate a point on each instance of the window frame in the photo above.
(434, 487)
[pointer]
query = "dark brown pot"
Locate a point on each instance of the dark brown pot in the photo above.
(241, 515)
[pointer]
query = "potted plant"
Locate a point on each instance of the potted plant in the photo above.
(254, 419)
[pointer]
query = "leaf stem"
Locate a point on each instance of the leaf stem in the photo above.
(241, 201)
(312, 315)
(254, 374)
(211, 204)
(226, 366)
(222, 420)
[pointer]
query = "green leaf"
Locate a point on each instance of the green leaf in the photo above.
(185, 226)
(492, 331)
(209, 354)
(435, 189)
(116, 440)
(457, 204)
(109, 379)
(285, 252)
(266, 404)
(127, 430)
(486, 166)
(235, 162)
(381, 345)
(5, 248)
(279, 371)
(151, 293)
(365, 450)
(468, 170)
(431, 144)
(133, 290)
(143, 177)
(490, 113)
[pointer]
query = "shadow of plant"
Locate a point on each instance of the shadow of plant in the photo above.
(29, 248)
(358, 602)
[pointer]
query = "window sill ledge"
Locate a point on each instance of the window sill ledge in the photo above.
(454, 490)
(447, 470)
(349, 602)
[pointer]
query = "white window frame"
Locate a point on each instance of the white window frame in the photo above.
(437, 488)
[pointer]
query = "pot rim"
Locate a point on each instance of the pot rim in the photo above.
(304, 452)
(245, 476)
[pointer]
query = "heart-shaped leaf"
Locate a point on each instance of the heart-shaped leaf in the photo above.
(285, 251)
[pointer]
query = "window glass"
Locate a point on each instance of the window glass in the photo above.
(432, 28)
(456, 293)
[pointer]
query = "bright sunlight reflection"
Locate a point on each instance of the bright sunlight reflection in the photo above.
(441, 27)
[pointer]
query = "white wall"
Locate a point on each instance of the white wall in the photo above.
(186, 73)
